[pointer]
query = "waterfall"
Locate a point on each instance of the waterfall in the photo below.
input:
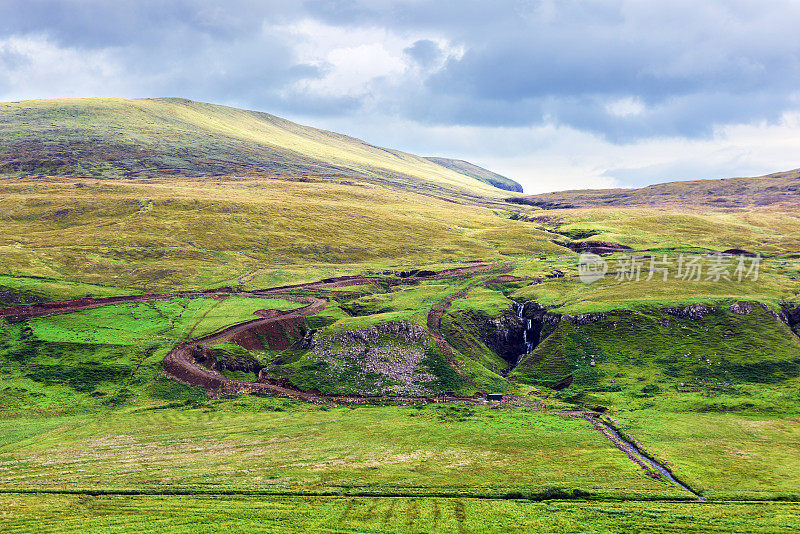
(529, 345)
(529, 335)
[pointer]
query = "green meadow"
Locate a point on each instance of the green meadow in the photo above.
(206, 513)
(281, 446)
(96, 437)
(177, 319)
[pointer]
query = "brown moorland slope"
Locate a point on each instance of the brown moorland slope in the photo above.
(778, 189)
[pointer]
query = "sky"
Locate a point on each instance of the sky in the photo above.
(554, 94)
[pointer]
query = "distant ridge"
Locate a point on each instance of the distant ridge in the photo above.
(780, 188)
(479, 173)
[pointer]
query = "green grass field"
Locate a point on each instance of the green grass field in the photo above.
(94, 437)
(189, 514)
(172, 320)
(280, 446)
(725, 455)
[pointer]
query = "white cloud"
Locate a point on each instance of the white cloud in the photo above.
(351, 60)
(625, 107)
(350, 71)
(355, 59)
(42, 69)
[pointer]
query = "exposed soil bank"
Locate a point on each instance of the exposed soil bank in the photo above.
(181, 363)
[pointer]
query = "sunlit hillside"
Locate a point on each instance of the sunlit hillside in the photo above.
(118, 138)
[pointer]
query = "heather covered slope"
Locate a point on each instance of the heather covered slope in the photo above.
(185, 233)
(729, 194)
(147, 138)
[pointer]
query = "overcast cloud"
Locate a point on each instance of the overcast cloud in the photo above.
(554, 94)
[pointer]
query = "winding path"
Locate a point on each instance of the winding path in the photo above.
(180, 364)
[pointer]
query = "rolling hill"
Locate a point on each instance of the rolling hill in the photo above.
(156, 193)
(150, 138)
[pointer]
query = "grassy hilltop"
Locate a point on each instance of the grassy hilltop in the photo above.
(147, 138)
(449, 277)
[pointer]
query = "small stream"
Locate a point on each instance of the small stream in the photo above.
(643, 457)
(530, 338)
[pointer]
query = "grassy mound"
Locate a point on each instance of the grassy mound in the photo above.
(719, 362)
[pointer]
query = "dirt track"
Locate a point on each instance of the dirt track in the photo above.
(66, 306)
(180, 363)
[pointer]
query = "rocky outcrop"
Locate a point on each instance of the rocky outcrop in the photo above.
(400, 330)
(741, 308)
(695, 312)
(504, 335)
(383, 359)
(237, 359)
(306, 342)
(248, 364)
(11, 296)
(585, 318)
(551, 319)
(792, 316)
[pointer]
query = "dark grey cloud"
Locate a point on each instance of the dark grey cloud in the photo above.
(692, 68)
(686, 67)
(94, 23)
(201, 49)
(692, 65)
